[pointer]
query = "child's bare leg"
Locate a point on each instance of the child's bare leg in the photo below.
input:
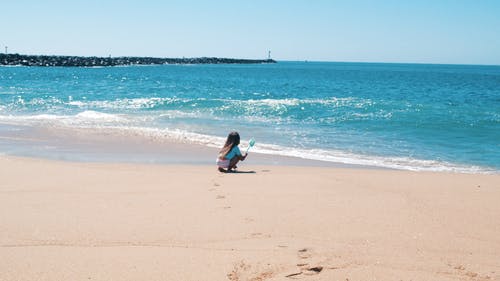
(232, 163)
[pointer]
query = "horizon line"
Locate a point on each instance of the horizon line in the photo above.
(277, 60)
(388, 62)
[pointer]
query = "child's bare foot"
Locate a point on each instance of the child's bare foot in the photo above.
(222, 170)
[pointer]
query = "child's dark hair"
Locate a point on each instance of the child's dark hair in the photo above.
(233, 139)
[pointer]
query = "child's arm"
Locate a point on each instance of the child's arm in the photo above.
(240, 155)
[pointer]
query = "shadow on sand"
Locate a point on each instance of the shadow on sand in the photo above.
(237, 172)
(240, 172)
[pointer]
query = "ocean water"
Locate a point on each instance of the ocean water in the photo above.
(404, 116)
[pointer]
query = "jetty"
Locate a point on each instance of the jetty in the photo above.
(79, 61)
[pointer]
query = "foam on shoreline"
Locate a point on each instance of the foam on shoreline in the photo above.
(94, 126)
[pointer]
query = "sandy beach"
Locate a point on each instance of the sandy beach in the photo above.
(87, 221)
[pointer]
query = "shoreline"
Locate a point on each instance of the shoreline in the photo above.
(102, 221)
(81, 61)
(84, 146)
(122, 145)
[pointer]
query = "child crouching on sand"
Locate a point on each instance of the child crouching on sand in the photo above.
(230, 153)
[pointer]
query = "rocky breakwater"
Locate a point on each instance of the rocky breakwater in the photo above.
(76, 61)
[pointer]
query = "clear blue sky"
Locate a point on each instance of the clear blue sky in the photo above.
(424, 31)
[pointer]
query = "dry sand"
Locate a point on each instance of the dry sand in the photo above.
(85, 221)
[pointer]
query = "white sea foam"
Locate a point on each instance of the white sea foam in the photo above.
(84, 118)
(335, 156)
(94, 115)
(400, 163)
(172, 114)
(121, 125)
(274, 102)
(331, 101)
(136, 103)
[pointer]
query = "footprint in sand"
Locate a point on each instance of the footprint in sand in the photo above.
(215, 184)
(306, 271)
(313, 270)
(304, 253)
(303, 267)
(243, 271)
(260, 235)
(236, 273)
(247, 220)
(469, 274)
(220, 197)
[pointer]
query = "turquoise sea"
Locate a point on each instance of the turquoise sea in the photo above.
(404, 116)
